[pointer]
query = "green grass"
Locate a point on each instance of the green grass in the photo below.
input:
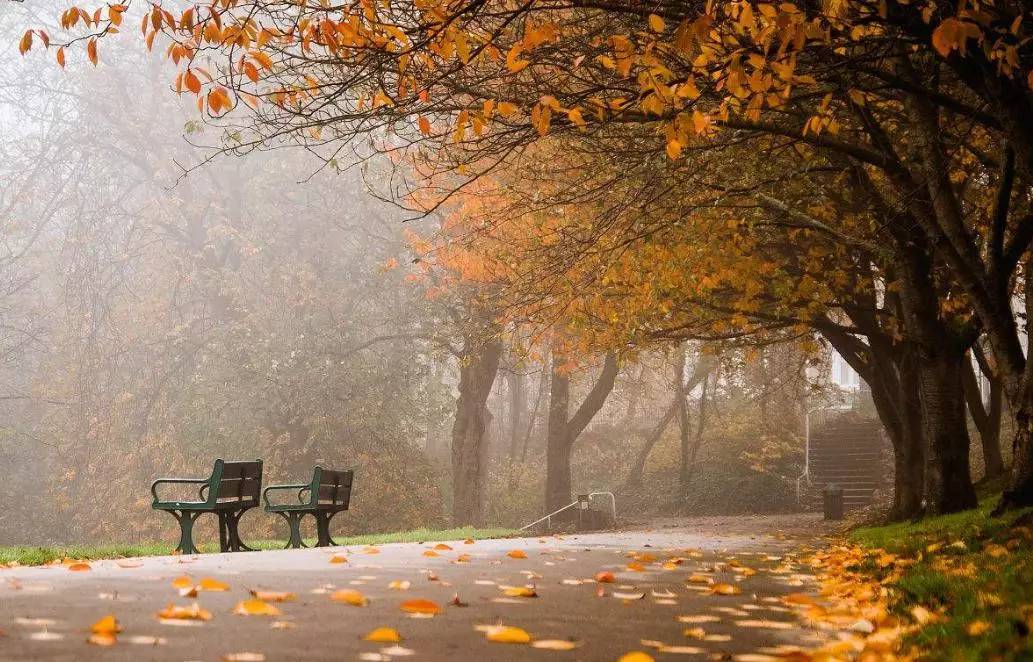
(42, 555)
(970, 567)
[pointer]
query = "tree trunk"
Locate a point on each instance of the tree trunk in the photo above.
(557, 441)
(634, 478)
(948, 477)
(891, 374)
(517, 410)
(563, 433)
(478, 367)
(987, 419)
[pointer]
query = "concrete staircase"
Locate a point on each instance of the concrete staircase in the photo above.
(847, 449)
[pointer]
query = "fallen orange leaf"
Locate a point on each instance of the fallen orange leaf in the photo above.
(192, 613)
(337, 558)
(605, 577)
(79, 567)
(255, 607)
(209, 584)
(442, 547)
(635, 656)
(107, 625)
(384, 636)
(724, 589)
(420, 606)
(349, 596)
(182, 582)
(430, 552)
(506, 634)
(516, 554)
(102, 639)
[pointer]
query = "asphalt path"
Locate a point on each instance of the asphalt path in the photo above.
(664, 585)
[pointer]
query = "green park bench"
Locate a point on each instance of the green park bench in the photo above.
(230, 491)
(329, 493)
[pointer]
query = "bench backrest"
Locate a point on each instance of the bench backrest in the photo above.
(331, 488)
(235, 482)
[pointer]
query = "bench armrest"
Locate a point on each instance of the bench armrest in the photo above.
(266, 491)
(174, 481)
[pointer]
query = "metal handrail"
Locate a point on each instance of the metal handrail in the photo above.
(548, 518)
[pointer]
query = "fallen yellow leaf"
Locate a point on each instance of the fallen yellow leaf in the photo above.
(273, 596)
(337, 558)
(724, 589)
(255, 607)
(555, 644)
(506, 634)
(209, 584)
(519, 591)
(192, 613)
(976, 628)
(384, 636)
(349, 596)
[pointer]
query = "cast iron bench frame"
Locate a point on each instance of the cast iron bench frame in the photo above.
(233, 489)
(329, 493)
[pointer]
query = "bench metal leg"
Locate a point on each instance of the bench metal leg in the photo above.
(230, 521)
(186, 519)
(293, 518)
(323, 538)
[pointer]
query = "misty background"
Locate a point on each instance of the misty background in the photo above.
(152, 320)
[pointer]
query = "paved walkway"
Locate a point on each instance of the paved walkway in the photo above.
(46, 613)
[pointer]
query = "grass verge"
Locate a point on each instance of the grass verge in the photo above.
(966, 578)
(43, 555)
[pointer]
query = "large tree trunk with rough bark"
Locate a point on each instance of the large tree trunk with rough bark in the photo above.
(478, 367)
(948, 479)
(563, 433)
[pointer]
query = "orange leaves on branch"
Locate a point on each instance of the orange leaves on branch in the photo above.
(953, 34)
(26, 42)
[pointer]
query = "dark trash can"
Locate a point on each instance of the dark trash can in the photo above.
(833, 501)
